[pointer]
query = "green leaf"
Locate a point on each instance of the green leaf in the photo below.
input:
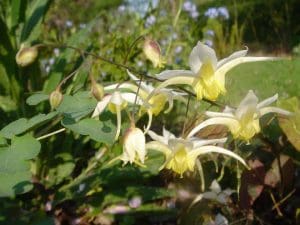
(21, 125)
(36, 13)
(100, 131)
(37, 98)
(15, 12)
(7, 104)
(15, 176)
(77, 106)
(62, 168)
(291, 125)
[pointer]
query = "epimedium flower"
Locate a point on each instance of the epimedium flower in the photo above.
(115, 102)
(134, 146)
(156, 103)
(242, 122)
(181, 153)
(207, 74)
(153, 52)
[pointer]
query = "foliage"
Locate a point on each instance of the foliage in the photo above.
(88, 157)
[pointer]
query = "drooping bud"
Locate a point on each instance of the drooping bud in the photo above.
(97, 91)
(134, 145)
(26, 55)
(153, 52)
(55, 98)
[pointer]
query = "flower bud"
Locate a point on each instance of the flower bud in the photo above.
(55, 98)
(97, 91)
(26, 55)
(134, 144)
(153, 52)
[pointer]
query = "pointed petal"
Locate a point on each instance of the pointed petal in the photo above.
(222, 70)
(267, 101)
(214, 149)
(230, 122)
(130, 97)
(101, 105)
(200, 54)
(270, 109)
(247, 106)
(146, 87)
(157, 137)
(170, 102)
(116, 98)
(199, 143)
(155, 145)
(149, 121)
(219, 114)
(118, 110)
(233, 56)
(215, 187)
(167, 74)
(172, 81)
(167, 134)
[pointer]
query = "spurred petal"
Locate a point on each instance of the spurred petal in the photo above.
(270, 109)
(175, 80)
(199, 143)
(158, 146)
(146, 87)
(157, 137)
(200, 54)
(233, 56)
(167, 74)
(267, 101)
(219, 114)
(149, 112)
(101, 105)
(222, 70)
(229, 122)
(214, 149)
(118, 111)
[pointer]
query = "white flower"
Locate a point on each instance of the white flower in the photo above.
(217, 194)
(134, 146)
(207, 74)
(181, 153)
(243, 122)
(115, 103)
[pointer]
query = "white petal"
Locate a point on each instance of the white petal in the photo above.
(210, 149)
(233, 56)
(137, 80)
(130, 97)
(157, 137)
(210, 195)
(125, 85)
(267, 110)
(171, 81)
(267, 101)
(215, 187)
(230, 122)
(219, 114)
(149, 121)
(167, 134)
(247, 106)
(167, 74)
(158, 146)
(118, 111)
(101, 105)
(134, 143)
(199, 143)
(222, 70)
(116, 98)
(200, 54)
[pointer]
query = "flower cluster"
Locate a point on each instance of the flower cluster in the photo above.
(206, 77)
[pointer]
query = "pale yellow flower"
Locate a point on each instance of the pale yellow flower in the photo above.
(181, 154)
(207, 74)
(242, 122)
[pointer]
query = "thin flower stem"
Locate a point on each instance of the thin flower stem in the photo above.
(51, 134)
(131, 47)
